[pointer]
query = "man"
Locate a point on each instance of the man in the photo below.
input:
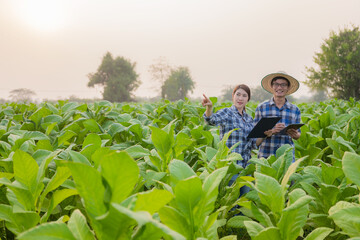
(280, 85)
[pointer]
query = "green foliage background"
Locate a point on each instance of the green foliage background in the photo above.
(157, 171)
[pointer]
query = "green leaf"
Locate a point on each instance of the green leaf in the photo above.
(210, 190)
(330, 173)
(175, 220)
(91, 143)
(116, 128)
(237, 221)
(188, 194)
(78, 226)
(229, 237)
(268, 233)
(46, 157)
(137, 130)
(39, 114)
(148, 232)
(253, 228)
(330, 194)
(351, 167)
(299, 203)
(347, 218)
(44, 144)
(25, 169)
(26, 135)
(24, 200)
(69, 107)
(179, 170)
(182, 142)
(270, 192)
(93, 139)
(89, 184)
(152, 201)
(211, 225)
(162, 140)
(319, 233)
(57, 198)
(98, 155)
(261, 216)
(151, 177)
(137, 151)
(143, 218)
(294, 217)
(78, 157)
(290, 171)
(6, 175)
(335, 146)
(121, 184)
(48, 231)
(91, 125)
(113, 224)
(64, 136)
(18, 222)
(61, 174)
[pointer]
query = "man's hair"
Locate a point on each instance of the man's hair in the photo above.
(280, 77)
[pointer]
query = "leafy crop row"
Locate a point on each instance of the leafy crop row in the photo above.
(156, 171)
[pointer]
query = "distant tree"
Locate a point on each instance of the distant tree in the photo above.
(258, 94)
(338, 65)
(226, 93)
(21, 95)
(160, 70)
(319, 96)
(178, 84)
(117, 76)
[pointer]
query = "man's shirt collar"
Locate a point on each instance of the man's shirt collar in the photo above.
(286, 104)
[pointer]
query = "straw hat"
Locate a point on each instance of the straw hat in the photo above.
(266, 82)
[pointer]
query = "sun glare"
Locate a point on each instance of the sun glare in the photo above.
(43, 15)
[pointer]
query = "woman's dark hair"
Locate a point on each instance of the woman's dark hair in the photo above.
(243, 87)
(280, 77)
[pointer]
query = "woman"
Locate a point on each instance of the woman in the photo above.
(231, 118)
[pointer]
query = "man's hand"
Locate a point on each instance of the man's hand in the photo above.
(278, 127)
(293, 133)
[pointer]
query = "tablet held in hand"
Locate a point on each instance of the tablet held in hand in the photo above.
(265, 123)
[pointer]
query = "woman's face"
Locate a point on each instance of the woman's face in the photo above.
(240, 99)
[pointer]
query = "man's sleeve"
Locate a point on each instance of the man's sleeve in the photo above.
(257, 115)
(298, 115)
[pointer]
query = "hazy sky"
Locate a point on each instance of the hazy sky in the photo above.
(49, 46)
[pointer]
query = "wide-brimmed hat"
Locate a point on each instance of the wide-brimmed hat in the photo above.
(266, 82)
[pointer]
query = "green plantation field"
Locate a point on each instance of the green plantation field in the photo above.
(156, 171)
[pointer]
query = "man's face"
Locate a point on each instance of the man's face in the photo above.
(280, 87)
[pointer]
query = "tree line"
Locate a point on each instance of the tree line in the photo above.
(336, 74)
(119, 79)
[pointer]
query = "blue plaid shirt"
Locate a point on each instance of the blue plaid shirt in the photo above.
(289, 114)
(229, 119)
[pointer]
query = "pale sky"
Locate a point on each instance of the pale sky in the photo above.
(49, 46)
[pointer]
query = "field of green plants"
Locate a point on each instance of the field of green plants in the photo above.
(157, 171)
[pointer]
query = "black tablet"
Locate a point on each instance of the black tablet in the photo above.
(293, 126)
(265, 123)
